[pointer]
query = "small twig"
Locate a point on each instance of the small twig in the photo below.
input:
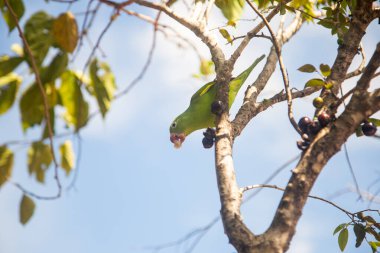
(282, 189)
(97, 44)
(44, 99)
(352, 171)
(84, 29)
(201, 232)
(282, 68)
(256, 36)
(144, 69)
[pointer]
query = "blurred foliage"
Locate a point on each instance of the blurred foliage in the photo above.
(51, 40)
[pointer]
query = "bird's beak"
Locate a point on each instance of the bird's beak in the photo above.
(177, 139)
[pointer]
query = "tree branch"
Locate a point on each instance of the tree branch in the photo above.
(282, 68)
(248, 110)
(45, 102)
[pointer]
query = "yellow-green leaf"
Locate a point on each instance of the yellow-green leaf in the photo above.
(67, 157)
(39, 159)
(31, 107)
(8, 64)
(343, 239)
(339, 228)
(65, 32)
(6, 164)
(315, 82)
(231, 9)
(8, 89)
(17, 7)
(55, 68)
(325, 69)
(103, 86)
(307, 68)
(207, 67)
(27, 207)
(226, 35)
(37, 32)
(72, 99)
(375, 121)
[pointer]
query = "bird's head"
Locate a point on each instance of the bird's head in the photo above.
(177, 133)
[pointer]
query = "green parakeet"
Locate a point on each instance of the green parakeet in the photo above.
(231, 9)
(198, 115)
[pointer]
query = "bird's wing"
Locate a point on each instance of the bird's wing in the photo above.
(202, 91)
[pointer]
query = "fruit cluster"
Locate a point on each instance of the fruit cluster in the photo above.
(209, 138)
(368, 128)
(310, 128)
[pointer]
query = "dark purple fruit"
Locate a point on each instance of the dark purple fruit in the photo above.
(217, 107)
(207, 143)
(305, 137)
(369, 129)
(324, 119)
(303, 145)
(304, 123)
(314, 127)
(209, 133)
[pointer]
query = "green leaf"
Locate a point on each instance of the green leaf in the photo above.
(37, 32)
(374, 121)
(226, 35)
(65, 32)
(325, 69)
(339, 228)
(18, 8)
(359, 233)
(8, 64)
(72, 99)
(8, 89)
(31, 107)
(315, 82)
(55, 69)
(329, 85)
(326, 23)
(373, 246)
(27, 207)
(39, 160)
(343, 239)
(207, 67)
(103, 86)
(307, 68)
(6, 164)
(67, 157)
(232, 10)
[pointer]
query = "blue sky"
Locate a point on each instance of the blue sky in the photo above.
(135, 190)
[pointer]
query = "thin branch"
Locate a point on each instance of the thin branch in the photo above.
(144, 69)
(282, 68)
(201, 232)
(309, 196)
(239, 50)
(370, 70)
(352, 170)
(44, 99)
(360, 69)
(97, 44)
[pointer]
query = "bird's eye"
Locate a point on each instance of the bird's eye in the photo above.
(174, 124)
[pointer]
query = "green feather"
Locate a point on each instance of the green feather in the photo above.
(198, 115)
